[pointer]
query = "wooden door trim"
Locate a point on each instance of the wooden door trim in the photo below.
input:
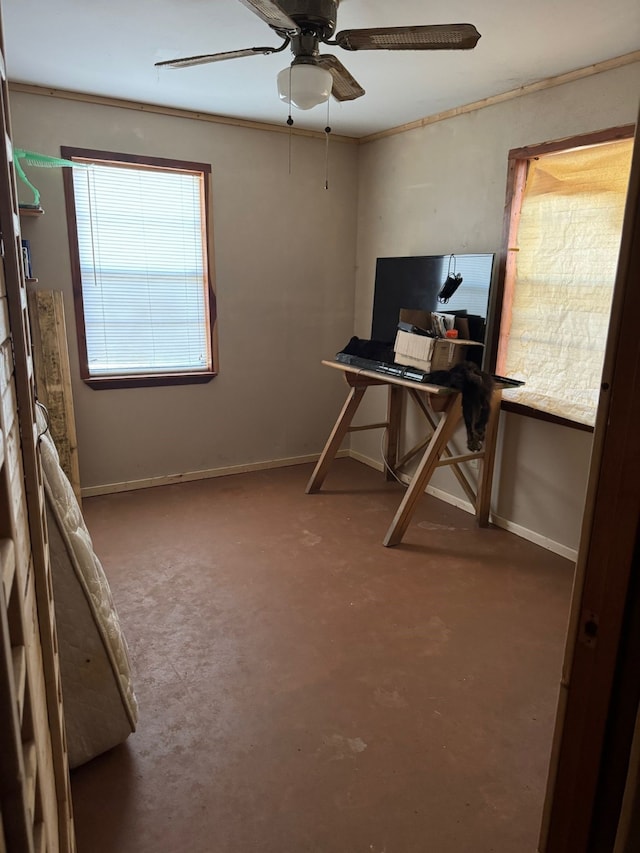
(603, 572)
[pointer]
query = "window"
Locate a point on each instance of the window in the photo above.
(139, 234)
(565, 210)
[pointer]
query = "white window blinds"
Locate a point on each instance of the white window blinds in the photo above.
(143, 270)
(568, 241)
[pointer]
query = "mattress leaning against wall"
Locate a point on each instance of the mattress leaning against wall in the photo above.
(100, 706)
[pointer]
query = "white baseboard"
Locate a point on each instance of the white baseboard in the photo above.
(461, 503)
(536, 538)
(504, 523)
(510, 526)
(366, 460)
(207, 474)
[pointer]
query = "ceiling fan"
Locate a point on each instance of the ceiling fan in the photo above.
(312, 76)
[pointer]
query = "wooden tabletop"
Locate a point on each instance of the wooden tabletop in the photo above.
(390, 379)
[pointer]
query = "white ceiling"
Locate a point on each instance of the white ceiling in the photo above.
(110, 48)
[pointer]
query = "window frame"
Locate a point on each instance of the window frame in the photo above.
(517, 169)
(143, 379)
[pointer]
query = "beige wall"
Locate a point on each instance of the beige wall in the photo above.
(284, 263)
(295, 271)
(441, 189)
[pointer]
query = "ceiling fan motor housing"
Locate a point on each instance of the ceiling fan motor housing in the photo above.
(312, 16)
(305, 24)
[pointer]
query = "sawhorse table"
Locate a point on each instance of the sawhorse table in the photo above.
(431, 400)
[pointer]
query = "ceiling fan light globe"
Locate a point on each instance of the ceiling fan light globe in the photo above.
(310, 86)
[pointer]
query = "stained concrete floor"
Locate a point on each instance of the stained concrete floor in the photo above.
(303, 688)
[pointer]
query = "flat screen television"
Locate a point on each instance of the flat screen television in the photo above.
(415, 282)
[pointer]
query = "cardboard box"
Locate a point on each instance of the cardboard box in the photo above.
(421, 319)
(464, 324)
(430, 353)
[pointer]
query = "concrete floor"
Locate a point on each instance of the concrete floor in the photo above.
(303, 688)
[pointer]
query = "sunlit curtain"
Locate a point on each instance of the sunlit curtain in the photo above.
(568, 243)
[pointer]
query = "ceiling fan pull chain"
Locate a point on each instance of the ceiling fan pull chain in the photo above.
(290, 123)
(290, 120)
(327, 131)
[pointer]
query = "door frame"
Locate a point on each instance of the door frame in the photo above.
(597, 709)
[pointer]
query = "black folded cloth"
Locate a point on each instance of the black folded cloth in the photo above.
(376, 350)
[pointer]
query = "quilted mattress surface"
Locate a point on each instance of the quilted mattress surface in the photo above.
(99, 701)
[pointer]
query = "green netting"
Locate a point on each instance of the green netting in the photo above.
(33, 159)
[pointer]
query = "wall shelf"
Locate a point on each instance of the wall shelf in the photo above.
(30, 211)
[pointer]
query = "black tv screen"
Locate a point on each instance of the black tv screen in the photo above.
(415, 282)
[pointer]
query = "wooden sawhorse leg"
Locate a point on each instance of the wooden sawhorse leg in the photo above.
(431, 460)
(436, 452)
(392, 436)
(358, 386)
(334, 441)
(485, 474)
(439, 440)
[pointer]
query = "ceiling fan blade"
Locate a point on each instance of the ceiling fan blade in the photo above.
(186, 61)
(345, 87)
(431, 37)
(271, 14)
